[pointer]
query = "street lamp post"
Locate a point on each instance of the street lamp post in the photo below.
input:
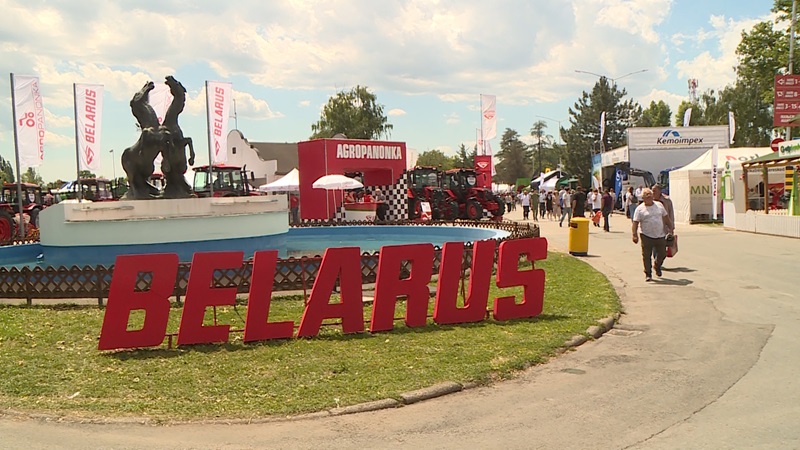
(559, 138)
(613, 80)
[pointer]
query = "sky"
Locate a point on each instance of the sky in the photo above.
(427, 61)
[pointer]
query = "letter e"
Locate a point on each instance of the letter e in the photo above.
(200, 294)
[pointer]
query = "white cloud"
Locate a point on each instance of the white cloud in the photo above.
(304, 103)
(396, 112)
(452, 118)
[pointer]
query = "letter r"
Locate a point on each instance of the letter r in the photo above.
(123, 298)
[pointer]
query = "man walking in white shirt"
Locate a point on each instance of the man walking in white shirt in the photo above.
(654, 221)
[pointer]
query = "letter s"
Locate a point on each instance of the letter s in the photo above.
(509, 275)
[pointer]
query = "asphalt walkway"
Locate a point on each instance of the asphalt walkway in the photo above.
(705, 357)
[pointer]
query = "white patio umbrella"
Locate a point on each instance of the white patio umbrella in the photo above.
(335, 183)
(289, 182)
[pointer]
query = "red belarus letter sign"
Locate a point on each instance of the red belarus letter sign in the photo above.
(125, 296)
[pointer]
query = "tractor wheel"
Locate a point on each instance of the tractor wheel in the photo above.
(474, 210)
(6, 227)
(451, 210)
(414, 208)
(34, 215)
(501, 208)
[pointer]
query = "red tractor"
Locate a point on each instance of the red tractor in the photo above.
(9, 207)
(472, 200)
(228, 181)
(424, 185)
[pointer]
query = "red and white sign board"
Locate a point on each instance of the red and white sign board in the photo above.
(787, 99)
(774, 144)
(426, 211)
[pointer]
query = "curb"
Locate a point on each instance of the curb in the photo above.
(434, 391)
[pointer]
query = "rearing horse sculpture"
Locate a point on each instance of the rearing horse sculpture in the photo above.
(174, 165)
(138, 159)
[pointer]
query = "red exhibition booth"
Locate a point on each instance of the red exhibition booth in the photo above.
(380, 163)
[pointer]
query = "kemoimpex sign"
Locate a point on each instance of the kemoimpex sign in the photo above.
(654, 138)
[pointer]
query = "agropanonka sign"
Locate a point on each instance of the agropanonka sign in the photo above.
(342, 264)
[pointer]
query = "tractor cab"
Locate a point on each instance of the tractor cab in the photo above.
(223, 181)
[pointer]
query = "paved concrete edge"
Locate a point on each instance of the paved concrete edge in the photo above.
(368, 406)
(434, 391)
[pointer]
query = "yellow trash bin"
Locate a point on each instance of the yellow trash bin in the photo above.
(578, 236)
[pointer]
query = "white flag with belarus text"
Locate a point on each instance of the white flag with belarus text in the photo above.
(488, 116)
(218, 100)
(29, 113)
(88, 124)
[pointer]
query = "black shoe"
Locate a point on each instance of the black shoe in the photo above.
(658, 271)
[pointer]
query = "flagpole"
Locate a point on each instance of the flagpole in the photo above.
(77, 142)
(21, 226)
(480, 109)
(210, 143)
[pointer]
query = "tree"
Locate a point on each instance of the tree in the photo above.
(656, 115)
(6, 172)
(355, 113)
(516, 158)
(30, 176)
(544, 148)
(86, 174)
(465, 159)
(583, 136)
(436, 158)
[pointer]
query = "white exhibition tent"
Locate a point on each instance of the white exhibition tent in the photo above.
(547, 181)
(690, 186)
(289, 182)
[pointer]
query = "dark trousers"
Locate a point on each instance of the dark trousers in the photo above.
(659, 245)
(606, 213)
(525, 211)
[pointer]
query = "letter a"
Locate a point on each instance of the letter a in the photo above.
(509, 275)
(124, 298)
(344, 263)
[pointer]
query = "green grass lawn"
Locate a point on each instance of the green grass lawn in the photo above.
(49, 360)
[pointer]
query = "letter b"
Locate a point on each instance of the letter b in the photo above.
(123, 298)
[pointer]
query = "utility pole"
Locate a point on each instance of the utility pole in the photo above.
(791, 56)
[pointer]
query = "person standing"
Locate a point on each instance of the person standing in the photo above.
(630, 203)
(542, 204)
(596, 198)
(549, 204)
(525, 200)
(535, 204)
(654, 220)
(606, 206)
(579, 203)
(566, 207)
(666, 202)
(294, 208)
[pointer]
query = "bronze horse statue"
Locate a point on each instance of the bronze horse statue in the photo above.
(166, 139)
(138, 159)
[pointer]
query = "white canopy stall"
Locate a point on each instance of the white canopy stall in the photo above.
(547, 181)
(690, 186)
(289, 183)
